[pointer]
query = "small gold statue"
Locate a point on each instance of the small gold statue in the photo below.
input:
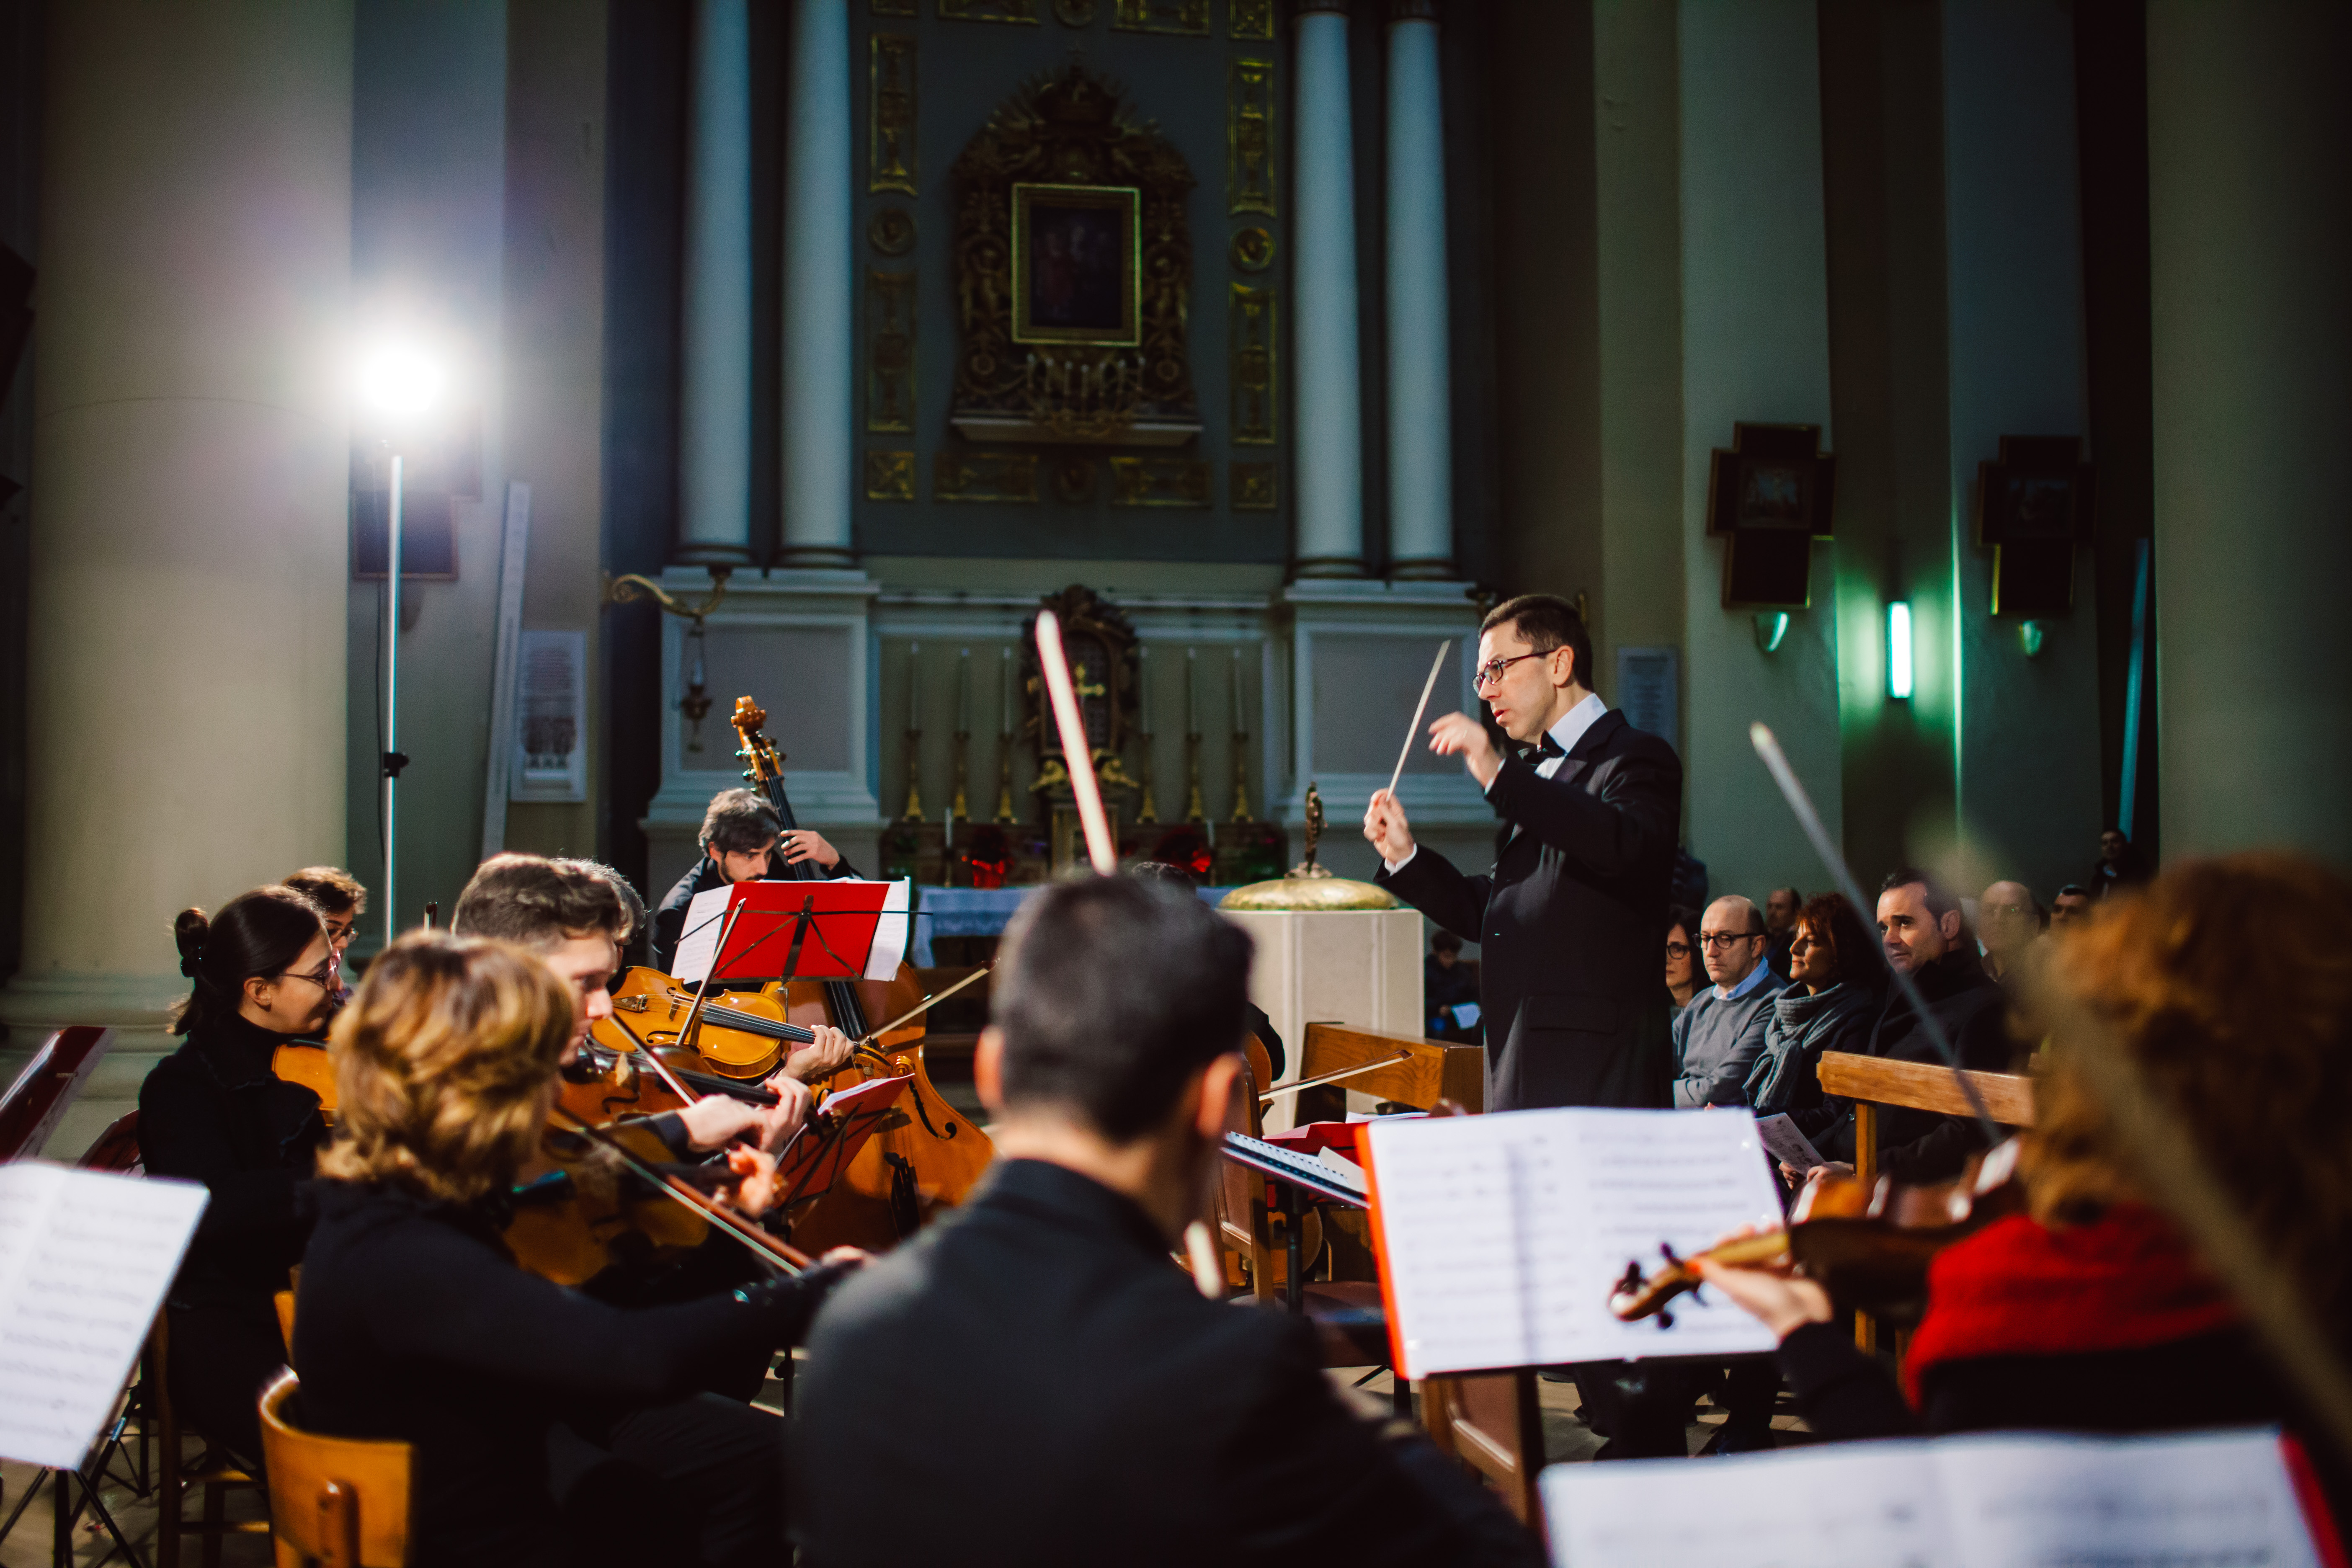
(1308, 868)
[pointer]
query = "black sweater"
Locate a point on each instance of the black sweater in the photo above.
(212, 1111)
(415, 1324)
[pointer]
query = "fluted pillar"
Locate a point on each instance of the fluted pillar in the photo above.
(191, 463)
(819, 433)
(2250, 228)
(714, 468)
(1421, 420)
(1323, 281)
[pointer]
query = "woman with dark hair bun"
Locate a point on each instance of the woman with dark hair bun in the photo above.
(265, 972)
(1835, 985)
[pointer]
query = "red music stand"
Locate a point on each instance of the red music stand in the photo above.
(820, 1152)
(791, 931)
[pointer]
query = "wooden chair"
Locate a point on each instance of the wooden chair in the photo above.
(1411, 1071)
(1874, 1082)
(285, 1303)
(338, 1502)
(214, 1474)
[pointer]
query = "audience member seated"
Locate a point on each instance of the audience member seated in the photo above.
(2009, 919)
(1780, 907)
(1685, 973)
(1922, 935)
(1719, 1036)
(2071, 907)
(2120, 864)
(1447, 987)
(213, 1111)
(2229, 991)
(1031, 1381)
(1838, 992)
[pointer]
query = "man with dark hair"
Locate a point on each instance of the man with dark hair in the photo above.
(2072, 904)
(741, 842)
(1780, 907)
(340, 897)
(1566, 922)
(1128, 1420)
(1923, 936)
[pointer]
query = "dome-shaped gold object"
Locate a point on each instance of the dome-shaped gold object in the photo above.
(1309, 893)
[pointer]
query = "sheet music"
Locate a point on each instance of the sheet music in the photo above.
(1952, 1502)
(1788, 1145)
(697, 944)
(85, 1258)
(891, 932)
(1507, 1233)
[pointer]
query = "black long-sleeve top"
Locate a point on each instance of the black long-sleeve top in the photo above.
(415, 1324)
(213, 1112)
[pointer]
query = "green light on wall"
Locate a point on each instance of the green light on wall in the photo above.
(1898, 649)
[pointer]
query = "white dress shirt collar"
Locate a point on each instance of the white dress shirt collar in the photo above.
(1577, 720)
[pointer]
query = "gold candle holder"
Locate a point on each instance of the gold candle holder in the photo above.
(914, 808)
(1146, 814)
(1004, 779)
(1194, 810)
(957, 809)
(1241, 777)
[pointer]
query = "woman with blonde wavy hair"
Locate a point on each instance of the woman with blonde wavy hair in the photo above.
(2227, 985)
(532, 1407)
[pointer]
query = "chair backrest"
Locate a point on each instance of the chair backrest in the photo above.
(31, 1107)
(1872, 1082)
(117, 1148)
(1245, 1224)
(285, 1303)
(1410, 1071)
(340, 1503)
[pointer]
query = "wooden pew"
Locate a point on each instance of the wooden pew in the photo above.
(1873, 1082)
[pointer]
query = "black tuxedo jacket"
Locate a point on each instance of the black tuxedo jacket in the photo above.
(1568, 922)
(1031, 1383)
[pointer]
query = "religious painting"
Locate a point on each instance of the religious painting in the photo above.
(1770, 498)
(2034, 509)
(1076, 265)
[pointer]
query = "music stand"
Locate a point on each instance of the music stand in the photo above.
(793, 930)
(819, 1153)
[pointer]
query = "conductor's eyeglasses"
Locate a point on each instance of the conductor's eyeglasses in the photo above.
(1490, 672)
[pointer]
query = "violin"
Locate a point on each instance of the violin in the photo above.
(1868, 1246)
(924, 1157)
(306, 1062)
(741, 1035)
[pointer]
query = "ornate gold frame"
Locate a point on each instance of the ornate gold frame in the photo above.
(1125, 200)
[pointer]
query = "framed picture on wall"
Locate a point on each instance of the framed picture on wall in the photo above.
(1077, 265)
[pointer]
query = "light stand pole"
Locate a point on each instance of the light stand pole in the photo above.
(393, 759)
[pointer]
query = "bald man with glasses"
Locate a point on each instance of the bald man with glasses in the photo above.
(1569, 917)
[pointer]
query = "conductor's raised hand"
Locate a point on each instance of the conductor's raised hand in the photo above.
(1460, 735)
(1386, 828)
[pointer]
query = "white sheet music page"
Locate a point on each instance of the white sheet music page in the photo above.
(1507, 1233)
(85, 1258)
(697, 942)
(2203, 1498)
(891, 932)
(1844, 1505)
(2190, 1498)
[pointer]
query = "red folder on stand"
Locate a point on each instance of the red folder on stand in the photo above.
(820, 1152)
(799, 931)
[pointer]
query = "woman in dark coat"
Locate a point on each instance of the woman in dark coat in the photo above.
(1835, 990)
(265, 972)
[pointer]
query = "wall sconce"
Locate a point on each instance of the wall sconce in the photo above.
(1772, 626)
(1898, 649)
(695, 700)
(2028, 635)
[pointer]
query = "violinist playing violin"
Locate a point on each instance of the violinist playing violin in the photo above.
(2227, 988)
(264, 972)
(547, 1426)
(741, 842)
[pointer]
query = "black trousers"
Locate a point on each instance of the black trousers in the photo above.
(1644, 1407)
(697, 1481)
(219, 1360)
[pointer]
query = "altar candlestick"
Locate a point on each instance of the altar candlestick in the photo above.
(914, 686)
(1191, 693)
(1143, 686)
(1005, 687)
(963, 692)
(1241, 714)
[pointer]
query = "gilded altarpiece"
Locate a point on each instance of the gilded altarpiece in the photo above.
(1072, 129)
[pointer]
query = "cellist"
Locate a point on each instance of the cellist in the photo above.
(547, 1426)
(741, 842)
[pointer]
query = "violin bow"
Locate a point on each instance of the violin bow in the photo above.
(1077, 755)
(863, 1043)
(785, 1255)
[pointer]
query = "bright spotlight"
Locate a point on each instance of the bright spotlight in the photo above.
(400, 382)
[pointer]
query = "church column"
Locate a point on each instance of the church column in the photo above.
(714, 468)
(2251, 240)
(1323, 273)
(1420, 429)
(818, 434)
(191, 468)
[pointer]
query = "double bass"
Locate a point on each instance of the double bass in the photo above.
(925, 1157)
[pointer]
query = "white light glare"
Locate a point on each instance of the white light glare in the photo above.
(400, 381)
(1898, 649)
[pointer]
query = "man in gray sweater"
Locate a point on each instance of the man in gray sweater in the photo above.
(1719, 1036)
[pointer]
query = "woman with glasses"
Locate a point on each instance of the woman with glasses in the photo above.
(265, 972)
(1682, 970)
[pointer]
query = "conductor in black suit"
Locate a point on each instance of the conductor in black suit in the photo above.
(1568, 919)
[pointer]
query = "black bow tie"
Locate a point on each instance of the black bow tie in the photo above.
(1547, 747)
